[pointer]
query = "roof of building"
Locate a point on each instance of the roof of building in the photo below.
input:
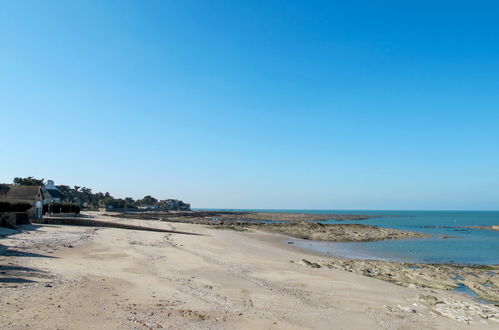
(54, 193)
(20, 193)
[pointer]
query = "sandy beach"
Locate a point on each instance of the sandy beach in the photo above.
(71, 277)
(249, 165)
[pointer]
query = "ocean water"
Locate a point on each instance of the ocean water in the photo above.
(463, 245)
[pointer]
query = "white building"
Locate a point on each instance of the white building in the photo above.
(51, 194)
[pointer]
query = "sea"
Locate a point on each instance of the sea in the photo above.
(449, 242)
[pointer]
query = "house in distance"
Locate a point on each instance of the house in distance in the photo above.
(51, 194)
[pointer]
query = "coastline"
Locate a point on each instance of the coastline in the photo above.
(81, 277)
(299, 225)
(480, 282)
(234, 217)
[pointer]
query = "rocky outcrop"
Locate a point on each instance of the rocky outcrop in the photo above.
(298, 225)
(234, 217)
(462, 228)
(494, 227)
(482, 280)
(338, 232)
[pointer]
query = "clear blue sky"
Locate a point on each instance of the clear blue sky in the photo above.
(256, 104)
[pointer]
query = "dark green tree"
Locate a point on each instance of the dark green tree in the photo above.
(29, 181)
(147, 200)
(4, 188)
(130, 202)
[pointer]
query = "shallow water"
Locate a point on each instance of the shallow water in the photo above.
(463, 245)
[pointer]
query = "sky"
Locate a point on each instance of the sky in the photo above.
(256, 104)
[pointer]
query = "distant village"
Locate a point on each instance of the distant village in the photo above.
(30, 198)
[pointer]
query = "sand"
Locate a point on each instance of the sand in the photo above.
(68, 277)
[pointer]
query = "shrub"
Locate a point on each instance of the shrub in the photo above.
(65, 208)
(75, 208)
(55, 208)
(61, 208)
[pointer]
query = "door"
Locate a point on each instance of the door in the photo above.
(38, 210)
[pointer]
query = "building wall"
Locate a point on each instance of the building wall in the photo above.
(11, 219)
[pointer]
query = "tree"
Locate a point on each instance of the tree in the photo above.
(66, 191)
(130, 202)
(29, 181)
(85, 196)
(4, 188)
(147, 200)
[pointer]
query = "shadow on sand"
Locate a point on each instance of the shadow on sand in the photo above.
(12, 273)
(19, 274)
(107, 224)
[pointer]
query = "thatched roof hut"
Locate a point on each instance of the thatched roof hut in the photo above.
(24, 194)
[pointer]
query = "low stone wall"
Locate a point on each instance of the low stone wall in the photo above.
(130, 210)
(62, 215)
(104, 224)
